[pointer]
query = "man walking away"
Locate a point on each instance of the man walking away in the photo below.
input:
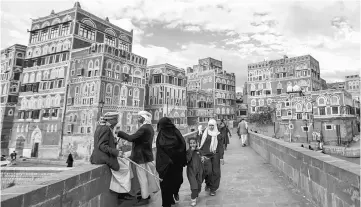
(242, 131)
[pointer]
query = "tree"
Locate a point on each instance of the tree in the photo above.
(263, 116)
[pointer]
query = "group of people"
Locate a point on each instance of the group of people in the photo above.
(203, 158)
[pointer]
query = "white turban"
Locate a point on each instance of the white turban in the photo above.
(147, 117)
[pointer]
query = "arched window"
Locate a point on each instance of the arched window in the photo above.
(253, 87)
(129, 118)
(26, 78)
(321, 101)
(90, 65)
(109, 65)
(117, 68)
(334, 100)
(96, 64)
(253, 102)
(298, 107)
(32, 78)
(261, 102)
(109, 88)
(38, 76)
(124, 91)
(136, 93)
(45, 49)
(309, 106)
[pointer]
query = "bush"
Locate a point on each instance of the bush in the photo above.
(262, 117)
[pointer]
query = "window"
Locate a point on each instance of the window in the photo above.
(135, 102)
(278, 113)
(335, 110)
(109, 40)
(157, 78)
(179, 82)
(44, 35)
(321, 101)
(65, 28)
(322, 110)
(54, 32)
(334, 100)
(170, 79)
(305, 128)
(279, 91)
(123, 46)
(289, 113)
(34, 37)
(328, 126)
(137, 80)
(87, 32)
(299, 116)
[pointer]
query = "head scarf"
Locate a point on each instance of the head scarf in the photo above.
(213, 133)
(171, 147)
(200, 128)
(147, 117)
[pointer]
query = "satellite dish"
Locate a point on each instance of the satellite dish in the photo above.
(289, 89)
(296, 88)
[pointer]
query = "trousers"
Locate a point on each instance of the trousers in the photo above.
(195, 193)
(244, 138)
(212, 172)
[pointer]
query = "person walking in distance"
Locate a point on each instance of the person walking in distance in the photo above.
(212, 151)
(142, 153)
(194, 169)
(226, 134)
(70, 160)
(170, 160)
(242, 131)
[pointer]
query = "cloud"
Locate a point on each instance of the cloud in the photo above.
(192, 28)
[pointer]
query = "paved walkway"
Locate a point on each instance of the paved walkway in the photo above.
(246, 181)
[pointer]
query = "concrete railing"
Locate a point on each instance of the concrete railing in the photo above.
(326, 180)
(86, 185)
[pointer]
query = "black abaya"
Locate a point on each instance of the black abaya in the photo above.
(171, 158)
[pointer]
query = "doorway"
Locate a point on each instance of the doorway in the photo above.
(34, 151)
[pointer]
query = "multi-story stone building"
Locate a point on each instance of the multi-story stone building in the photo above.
(272, 77)
(352, 85)
(241, 103)
(300, 116)
(12, 61)
(211, 93)
(166, 94)
(42, 99)
(102, 78)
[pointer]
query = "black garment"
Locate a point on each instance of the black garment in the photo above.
(105, 151)
(194, 171)
(171, 183)
(142, 144)
(70, 160)
(212, 167)
(171, 158)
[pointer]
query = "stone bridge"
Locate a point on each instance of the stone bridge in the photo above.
(267, 173)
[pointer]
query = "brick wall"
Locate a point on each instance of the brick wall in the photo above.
(86, 185)
(25, 175)
(328, 181)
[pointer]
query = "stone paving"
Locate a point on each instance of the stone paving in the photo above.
(246, 181)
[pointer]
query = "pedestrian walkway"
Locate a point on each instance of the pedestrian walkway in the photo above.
(246, 181)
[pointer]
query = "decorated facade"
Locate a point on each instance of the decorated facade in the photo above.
(48, 72)
(272, 77)
(166, 94)
(12, 61)
(352, 85)
(241, 104)
(210, 93)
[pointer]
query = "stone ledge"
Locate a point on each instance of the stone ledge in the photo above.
(327, 180)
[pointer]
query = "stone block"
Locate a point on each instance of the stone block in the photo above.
(71, 183)
(34, 196)
(54, 189)
(331, 168)
(12, 200)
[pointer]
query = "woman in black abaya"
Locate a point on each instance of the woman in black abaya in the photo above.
(170, 160)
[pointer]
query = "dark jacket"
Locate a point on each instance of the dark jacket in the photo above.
(105, 151)
(194, 168)
(142, 144)
(224, 132)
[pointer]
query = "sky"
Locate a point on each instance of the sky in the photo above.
(238, 32)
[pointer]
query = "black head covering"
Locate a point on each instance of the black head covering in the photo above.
(171, 147)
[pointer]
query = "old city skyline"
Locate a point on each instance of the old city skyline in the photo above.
(263, 33)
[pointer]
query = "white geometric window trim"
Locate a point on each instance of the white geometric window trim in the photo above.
(329, 127)
(10, 112)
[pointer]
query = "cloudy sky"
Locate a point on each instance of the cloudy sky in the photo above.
(238, 32)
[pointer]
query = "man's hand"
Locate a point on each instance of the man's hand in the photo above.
(202, 159)
(222, 161)
(121, 154)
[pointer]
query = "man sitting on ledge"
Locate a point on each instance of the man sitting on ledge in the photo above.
(105, 151)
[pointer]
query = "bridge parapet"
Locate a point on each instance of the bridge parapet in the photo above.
(86, 185)
(326, 180)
